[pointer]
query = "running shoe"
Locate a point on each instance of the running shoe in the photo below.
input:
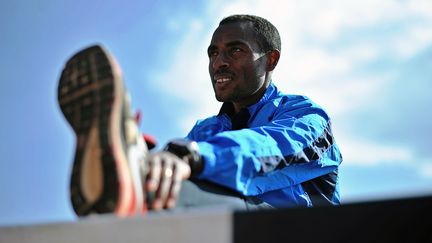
(109, 159)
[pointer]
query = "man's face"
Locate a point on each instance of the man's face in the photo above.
(237, 66)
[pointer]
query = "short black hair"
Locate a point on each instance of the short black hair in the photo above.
(267, 34)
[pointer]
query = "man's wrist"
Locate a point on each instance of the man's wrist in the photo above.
(187, 150)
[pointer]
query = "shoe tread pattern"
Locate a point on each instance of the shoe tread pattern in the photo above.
(86, 93)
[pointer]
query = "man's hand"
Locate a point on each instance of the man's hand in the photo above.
(165, 172)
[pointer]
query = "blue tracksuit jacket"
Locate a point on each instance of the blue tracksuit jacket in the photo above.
(280, 150)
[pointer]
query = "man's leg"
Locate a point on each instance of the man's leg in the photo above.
(199, 193)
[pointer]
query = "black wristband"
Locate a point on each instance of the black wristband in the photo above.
(187, 150)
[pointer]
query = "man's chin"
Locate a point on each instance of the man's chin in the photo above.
(221, 98)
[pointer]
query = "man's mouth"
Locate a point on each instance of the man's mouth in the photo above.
(222, 80)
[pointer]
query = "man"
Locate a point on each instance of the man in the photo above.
(264, 149)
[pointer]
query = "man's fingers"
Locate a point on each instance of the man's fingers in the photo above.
(165, 183)
(153, 177)
(175, 189)
(181, 172)
(165, 173)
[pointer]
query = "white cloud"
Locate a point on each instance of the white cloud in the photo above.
(426, 169)
(367, 153)
(415, 39)
(371, 154)
(187, 77)
(312, 64)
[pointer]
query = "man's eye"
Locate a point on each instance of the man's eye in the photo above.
(236, 51)
(212, 53)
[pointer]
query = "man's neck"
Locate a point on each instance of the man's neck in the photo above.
(253, 99)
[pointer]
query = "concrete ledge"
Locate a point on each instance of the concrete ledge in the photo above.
(402, 220)
(186, 226)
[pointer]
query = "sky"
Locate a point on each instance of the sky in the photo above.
(368, 63)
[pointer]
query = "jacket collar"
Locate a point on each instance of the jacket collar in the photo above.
(241, 118)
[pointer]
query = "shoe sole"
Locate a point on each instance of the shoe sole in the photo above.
(91, 96)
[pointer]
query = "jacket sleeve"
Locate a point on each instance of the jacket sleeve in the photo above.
(288, 150)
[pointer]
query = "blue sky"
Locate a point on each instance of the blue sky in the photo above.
(368, 63)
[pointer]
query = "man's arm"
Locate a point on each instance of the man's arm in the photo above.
(285, 151)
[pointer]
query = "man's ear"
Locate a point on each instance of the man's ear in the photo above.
(273, 59)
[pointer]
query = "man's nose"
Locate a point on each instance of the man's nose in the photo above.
(220, 61)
